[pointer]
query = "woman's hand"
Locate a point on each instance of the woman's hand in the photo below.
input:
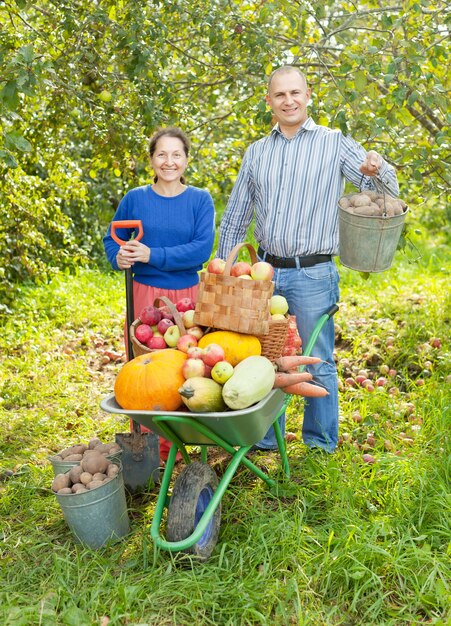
(371, 164)
(131, 252)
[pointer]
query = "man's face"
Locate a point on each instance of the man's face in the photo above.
(288, 97)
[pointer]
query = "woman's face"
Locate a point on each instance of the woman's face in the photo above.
(169, 160)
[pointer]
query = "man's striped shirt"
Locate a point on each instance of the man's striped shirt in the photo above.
(294, 186)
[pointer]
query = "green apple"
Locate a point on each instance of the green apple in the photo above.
(221, 371)
(172, 335)
(278, 304)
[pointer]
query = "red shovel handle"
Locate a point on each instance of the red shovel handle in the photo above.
(126, 224)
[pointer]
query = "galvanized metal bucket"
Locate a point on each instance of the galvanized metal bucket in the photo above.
(97, 516)
(368, 243)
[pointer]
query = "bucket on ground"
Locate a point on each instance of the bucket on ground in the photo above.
(368, 243)
(98, 515)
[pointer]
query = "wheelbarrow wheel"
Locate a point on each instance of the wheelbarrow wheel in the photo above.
(193, 490)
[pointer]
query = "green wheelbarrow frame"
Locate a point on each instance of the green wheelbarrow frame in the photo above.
(182, 428)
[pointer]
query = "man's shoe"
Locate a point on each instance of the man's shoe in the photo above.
(259, 449)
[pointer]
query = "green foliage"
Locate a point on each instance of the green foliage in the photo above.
(83, 85)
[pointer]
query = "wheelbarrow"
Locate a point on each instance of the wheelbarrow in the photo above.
(194, 508)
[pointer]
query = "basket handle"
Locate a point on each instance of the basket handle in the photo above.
(234, 253)
(177, 317)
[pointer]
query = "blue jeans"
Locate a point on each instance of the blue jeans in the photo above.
(310, 292)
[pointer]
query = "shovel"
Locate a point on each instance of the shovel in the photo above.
(140, 451)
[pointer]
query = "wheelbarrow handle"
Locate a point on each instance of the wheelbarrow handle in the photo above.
(126, 224)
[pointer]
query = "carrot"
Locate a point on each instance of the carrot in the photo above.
(288, 363)
(285, 379)
(307, 390)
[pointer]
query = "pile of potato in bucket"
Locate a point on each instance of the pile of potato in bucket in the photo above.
(94, 470)
(372, 203)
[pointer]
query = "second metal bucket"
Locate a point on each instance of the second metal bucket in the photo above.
(97, 516)
(368, 243)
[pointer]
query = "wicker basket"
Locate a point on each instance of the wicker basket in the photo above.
(232, 303)
(274, 341)
(138, 347)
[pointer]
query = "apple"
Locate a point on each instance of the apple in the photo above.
(213, 353)
(188, 318)
(360, 378)
(208, 369)
(278, 304)
(150, 315)
(245, 276)
(196, 331)
(185, 304)
(241, 268)
(166, 313)
(262, 271)
(172, 335)
(186, 342)
(143, 333)
(221, 371)
(193, 367)
(156, 343)
(216, 266)
(278, 316)
(164, 324)
(195, 352)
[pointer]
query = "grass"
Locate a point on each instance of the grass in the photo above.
(349, 543)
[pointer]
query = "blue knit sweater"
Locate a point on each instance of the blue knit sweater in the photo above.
(179, 231)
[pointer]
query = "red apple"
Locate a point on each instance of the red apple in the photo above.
(381, 381)
(193, 367)
(185, 342)
(156, 343)
(195, 352)
(150, 315)
(172, 335)
(262, 271)
(213, 353)
(185, 304)
(216, 266)
(208, 369)
(166, 313)
(143, 333)
(241, 268)
(196, 331)
(350, 382)
(164, 324)
(360, 379)
(188, 318)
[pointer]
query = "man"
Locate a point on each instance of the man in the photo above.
(292, 180)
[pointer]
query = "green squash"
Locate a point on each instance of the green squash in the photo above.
(252, 380)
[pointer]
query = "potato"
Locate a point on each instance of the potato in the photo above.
(60, 482)
(77, 449)
(114, 447)
(94, 484)
(344, 203)
(103, 448)
(364, 210)
(64, 491)
(94, 462)
(99, 476)
(361, 199)
(85, 478)
(93, 443)
(372, 195)
(75, 473)
(73, 457)
(112, 471)
(79, 488)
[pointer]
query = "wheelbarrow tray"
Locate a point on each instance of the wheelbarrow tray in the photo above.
(238, 428)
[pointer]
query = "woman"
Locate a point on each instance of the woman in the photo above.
(178, 224)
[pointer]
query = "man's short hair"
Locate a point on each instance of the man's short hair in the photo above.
(284, 69)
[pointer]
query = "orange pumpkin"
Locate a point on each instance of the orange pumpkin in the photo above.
(151, 381)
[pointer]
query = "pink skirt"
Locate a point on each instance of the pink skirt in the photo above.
(143, 296)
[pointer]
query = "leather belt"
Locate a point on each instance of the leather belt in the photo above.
(299, 261)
